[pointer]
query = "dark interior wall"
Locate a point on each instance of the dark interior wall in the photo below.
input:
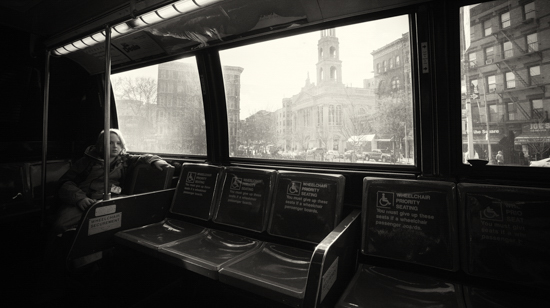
(75, 115)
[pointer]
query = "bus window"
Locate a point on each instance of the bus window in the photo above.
(328, 95)
(160, 108)
(504, 105)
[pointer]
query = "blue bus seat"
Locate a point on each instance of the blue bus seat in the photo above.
(408, 222)
(307, 208)
(104, 219)
(506, 236)
(244, 202)
(195, 197)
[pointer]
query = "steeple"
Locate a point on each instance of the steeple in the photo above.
(329, 66)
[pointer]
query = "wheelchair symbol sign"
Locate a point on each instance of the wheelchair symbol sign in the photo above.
(384, 199)
(294, 188)
(190, 177)
(236, 183)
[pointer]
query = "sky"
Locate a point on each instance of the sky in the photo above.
(278, 69)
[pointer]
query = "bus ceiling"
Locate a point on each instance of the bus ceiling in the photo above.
(144, 30)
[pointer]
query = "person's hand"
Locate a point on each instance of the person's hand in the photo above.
(85, 203)
(161, 165)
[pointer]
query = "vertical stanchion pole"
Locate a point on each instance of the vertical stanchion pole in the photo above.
(107, 114)
(45, 140)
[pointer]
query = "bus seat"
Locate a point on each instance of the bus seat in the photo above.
(194, 198)
(243, 204)
(146, 178)
(102, 220)
(406, 221)
(506, 234)
(12, 191)
(22, 185)
(307, 208)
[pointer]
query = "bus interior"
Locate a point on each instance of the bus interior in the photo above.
(412, 136)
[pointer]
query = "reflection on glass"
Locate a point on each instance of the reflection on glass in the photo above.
(338, 95)
(504, 105)
(160, 108)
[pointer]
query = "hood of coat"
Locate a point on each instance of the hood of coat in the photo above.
(93, 153)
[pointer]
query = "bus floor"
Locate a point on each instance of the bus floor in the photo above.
(124, 279)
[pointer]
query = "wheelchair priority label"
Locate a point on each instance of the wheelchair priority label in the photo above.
(191, 177)
(385, 199)
(236, 183)
(294, 188)
(492, 212)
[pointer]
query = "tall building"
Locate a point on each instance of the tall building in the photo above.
(392, 82)
(505, 78)
(392, 69)
(326, 113)
(180, 111)
(232, 84)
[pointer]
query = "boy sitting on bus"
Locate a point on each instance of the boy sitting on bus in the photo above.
(83, 184)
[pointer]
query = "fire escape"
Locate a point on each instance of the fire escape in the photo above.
(513, 58)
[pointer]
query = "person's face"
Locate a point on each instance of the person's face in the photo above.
(116, 145)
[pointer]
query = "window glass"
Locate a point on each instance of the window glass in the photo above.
(505, 20)
(504, 108)
(342, 106)
(529, 10)
(532, 42)
(160, 108)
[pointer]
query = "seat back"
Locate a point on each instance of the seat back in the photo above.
(55, 169)
(307, 206)
(410, 220)
(147, 178)
(196, 191)
(506, 233)
(245, 198)
(105, 218)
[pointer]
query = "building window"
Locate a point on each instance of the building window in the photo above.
(320, 53)
(538, 110)
(534, 75)
(505, 20)
(487, 28)
(338, 115)
(391, 63)
(332, 52)
(397, 61)
(381, 87)
(331, 115)
(493, 113)
(321, 74)
(472, 59)
(333, 73)
(529, 10)
(507, 49)
(512, 112)
(532, 42)
(395, 84)
(385, 66)
(510, 80)
(491, 84)
(489, 55)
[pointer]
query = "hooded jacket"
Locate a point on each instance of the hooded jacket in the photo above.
(86, 176)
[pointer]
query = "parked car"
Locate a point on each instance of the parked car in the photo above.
(348, 154)
(332, 154)
(316, 151)
(379, 155)
(545, 162)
